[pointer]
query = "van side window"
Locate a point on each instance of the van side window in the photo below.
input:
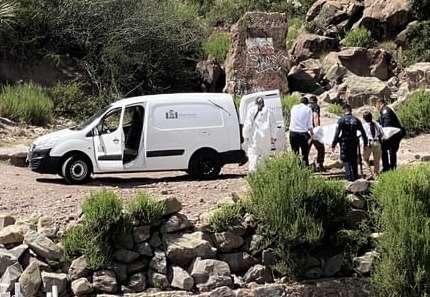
(110, 122)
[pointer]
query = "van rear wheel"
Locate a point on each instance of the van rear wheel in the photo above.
(76, 170)
(205, 164)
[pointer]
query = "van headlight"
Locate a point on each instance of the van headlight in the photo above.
(47, 143)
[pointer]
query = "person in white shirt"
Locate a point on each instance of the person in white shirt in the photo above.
(375, 134)
(301, 129)
(259, 131)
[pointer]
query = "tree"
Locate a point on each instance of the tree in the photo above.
(420, 9)
(8, 11)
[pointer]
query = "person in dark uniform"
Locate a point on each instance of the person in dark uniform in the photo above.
(346, 135)
(319, 146)
(390, 146)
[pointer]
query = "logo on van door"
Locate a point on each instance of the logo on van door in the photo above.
(171, 114)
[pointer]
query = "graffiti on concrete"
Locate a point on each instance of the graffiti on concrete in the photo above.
(261, 56)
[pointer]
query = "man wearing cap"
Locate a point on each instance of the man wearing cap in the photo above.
(301, 129)
(259, 131)
(319, 146)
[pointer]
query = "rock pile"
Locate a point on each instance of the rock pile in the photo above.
(173, 254)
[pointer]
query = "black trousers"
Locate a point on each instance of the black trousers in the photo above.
(349, 156)
(389, 151)
(299, 141)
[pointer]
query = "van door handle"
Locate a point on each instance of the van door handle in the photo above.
(115, 140)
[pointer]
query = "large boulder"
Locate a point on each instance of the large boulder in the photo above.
(358, 61)
(308, 46)
(338, 16)
(257, 59)
(384, 18)
(211, 74)
(418, 75)
(361, 90)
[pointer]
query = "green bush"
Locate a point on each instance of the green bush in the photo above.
(103, 224)
(225, 217)
(360, 37)
(335, 109)
(217, 46)
(102, 206)
(71, 102)
(26, 103)
(294, 25)
(144, 209)
(287, 103)
(413, 113)
(293, 208)
(420, 9)
(419, 44)
(404, 265)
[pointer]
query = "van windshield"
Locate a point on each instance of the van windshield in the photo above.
(85, 123)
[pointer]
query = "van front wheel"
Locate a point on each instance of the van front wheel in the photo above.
(75, 170)
(205, 165)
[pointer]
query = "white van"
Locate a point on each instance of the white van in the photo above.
(194, 132)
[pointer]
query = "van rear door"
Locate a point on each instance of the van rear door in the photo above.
(272, 99)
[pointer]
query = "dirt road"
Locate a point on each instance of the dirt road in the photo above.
(24, 193)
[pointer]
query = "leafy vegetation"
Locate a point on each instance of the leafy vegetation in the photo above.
(71, 102)
(287, 103)
(404, 266)
(95, 239)
(8, 10)
(360, 37)
(420, 9)
(91, 237)
(335, 109)
(419, 44)
(226, 217)
(293, 208)
(26, 103)
(144, 209)
(217, 46)
(413, 113)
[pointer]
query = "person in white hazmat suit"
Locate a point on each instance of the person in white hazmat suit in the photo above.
(259, 131)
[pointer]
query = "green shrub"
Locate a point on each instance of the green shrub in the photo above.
(293, 208)
(360, 37)
(404, 265)
(293, 31)
(103, 224)
(217, 46)
(102, 206)
(26, 103)
(420, 9)
(287, 103)
(413, 113)
(225, 217)
(335, 109)
(71, 102)
(418, 49)
(145, 209)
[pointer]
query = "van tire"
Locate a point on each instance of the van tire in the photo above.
(76, 170)
(205, 164)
